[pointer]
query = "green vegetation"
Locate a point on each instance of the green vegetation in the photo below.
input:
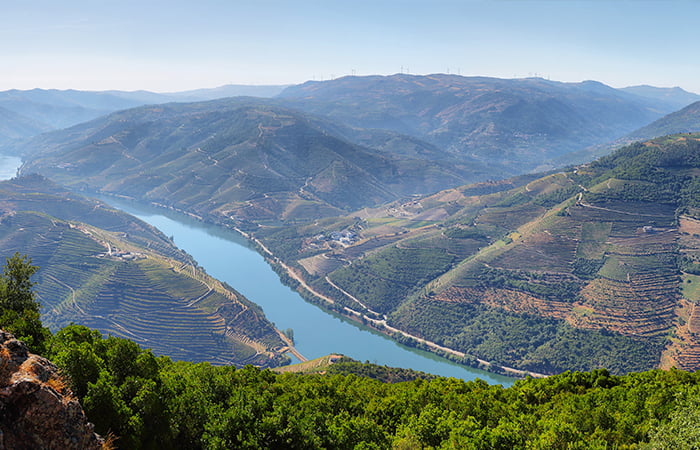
(130, 281)
(600, 268)
(385, 374)
(149, 402)
(382, 280)
(531, 282)
(593, 237)
(594, 249)
(243, 160)
(19, 309)
(691, 287)
(526, 341)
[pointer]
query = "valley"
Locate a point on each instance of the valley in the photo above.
(505, 273)
(109, 271)
(587, 257)
(232, 259)
(350, 225)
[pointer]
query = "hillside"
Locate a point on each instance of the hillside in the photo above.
(520, 124)
(15, 126)
(149, 403)
(676, 97)
(28, 113)
(575, 270)
(235, 159)
(687, 120)
(59, 109)
(107, 270)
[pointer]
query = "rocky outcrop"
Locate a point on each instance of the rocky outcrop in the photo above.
(37, 409)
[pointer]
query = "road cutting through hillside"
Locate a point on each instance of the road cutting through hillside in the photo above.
(381, 325)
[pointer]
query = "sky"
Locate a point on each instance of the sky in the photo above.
(174, 45)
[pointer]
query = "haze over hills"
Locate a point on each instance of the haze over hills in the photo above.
(51, 109)
(519, 123)
(468, 268)
(686, 120)
(15, 126)
(107, 270)
(676, 97)
(574, 270)
(237, 158)
(416, 134)
(59, 109)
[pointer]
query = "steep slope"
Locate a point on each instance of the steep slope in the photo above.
(687, 120)
(521, 123)
(233, 159)
(574, 270)
(37, 410)
(14, 126)
(107, 270)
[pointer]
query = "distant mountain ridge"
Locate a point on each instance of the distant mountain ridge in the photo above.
(240, 159)
(51, 109)
(522, 123)
(677, 97)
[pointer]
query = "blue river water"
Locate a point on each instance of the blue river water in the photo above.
(227, 256)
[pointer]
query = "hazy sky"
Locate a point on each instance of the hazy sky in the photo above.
(174, 45)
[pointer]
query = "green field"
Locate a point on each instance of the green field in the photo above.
(691, 287)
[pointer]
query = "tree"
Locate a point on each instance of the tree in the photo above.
(19, 309)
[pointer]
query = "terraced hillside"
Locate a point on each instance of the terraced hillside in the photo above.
(593, 267)
(237, 159)
(119, 275)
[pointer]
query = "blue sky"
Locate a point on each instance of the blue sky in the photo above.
(177, 45)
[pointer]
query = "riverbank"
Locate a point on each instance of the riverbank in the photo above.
(317, 328)
(381, 325)
(318, 303)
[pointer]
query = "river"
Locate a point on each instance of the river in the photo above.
(227, 256)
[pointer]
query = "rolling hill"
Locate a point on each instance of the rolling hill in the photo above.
(59, 109)
(676, 97)
(15, 126)
(520, 124)
(597, 266)
(107, 270)
(27, 113)
(686, 120)
(237, 159)
(467, 123)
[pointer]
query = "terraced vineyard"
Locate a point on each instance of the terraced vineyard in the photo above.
(574, 270)
(111, 281)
